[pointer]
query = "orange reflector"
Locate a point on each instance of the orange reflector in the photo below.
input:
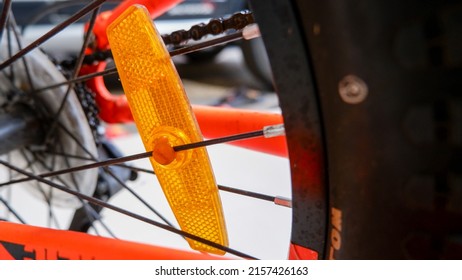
(164, 118)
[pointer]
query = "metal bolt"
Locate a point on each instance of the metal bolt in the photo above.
(352, 89)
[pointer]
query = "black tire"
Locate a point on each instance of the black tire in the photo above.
(378, 105)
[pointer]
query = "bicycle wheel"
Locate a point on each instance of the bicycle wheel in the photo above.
(47, 122)
(344, 72)
(387, 79)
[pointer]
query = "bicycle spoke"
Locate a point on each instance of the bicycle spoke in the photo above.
(75, 139)
(101, 203)
(82, 78)
(4, 16)
(115, 177)
(275, 199)
(74, 180)
(46, 197)
(218, 140)
(133, 168)
(96, 217)
(77, 67)
(263, 132)
(90, 7)
(82, 167)
(86, 42)
(76, 185)
(130, 190)
(10, 54)
(180, 51)
(91, 213)
(12, 211)
(51, 216)
(13, 26)
(208, 44)
(9, 196)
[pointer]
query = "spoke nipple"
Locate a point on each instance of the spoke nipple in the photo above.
(251, 31)
(163, 152)
(274, 130)
(282, 201)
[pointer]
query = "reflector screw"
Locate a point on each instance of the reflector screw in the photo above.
(352, 89)
(163, 152)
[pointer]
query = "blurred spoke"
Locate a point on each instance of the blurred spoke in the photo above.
(90, 7)
(4, 16)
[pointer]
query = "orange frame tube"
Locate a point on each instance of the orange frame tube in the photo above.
(24, 242)
(35, 243)
(218, 122)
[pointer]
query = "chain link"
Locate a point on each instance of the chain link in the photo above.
(215, 27)
(89, 106)
(177, 38)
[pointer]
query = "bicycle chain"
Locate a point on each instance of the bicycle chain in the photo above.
(215, 27)
(91, 109)
(177, 38)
